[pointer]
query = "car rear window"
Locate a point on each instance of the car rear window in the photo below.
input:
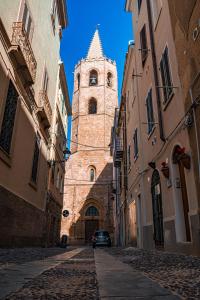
(101, 233)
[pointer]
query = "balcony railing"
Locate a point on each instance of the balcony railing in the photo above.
(44, 110)
(22, 53)
(118, 149)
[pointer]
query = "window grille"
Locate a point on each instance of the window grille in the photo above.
(8, 118)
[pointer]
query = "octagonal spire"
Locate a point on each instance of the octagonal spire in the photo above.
(95, 50)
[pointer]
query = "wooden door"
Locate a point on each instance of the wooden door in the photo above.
(185, 202)
(90, 227)
(157, 209)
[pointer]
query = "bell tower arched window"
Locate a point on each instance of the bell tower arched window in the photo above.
(93, 78)
(78, 80)
(92, 109)
(92, 174)
(109, 79)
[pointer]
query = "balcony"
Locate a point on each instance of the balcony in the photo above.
(44, 111)
(117, 163)
(118, 149)
(22, 55)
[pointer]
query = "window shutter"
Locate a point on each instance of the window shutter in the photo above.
(8, 118)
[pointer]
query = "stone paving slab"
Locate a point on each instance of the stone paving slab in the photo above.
(117, 280)
(15, 276)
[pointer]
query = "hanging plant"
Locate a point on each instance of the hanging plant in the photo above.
(182, 157)
(165, 169)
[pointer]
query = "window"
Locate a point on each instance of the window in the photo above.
(135, 141)
(92, 174)
(150, 115)
(139, 5)
(45, 81)
(27, 20)
(35, 159)
(109, 79)
(53, 14)
(129, 156)
(58, 179)
(8, 118)
(143, 42)
(92, 106)
(93, 78)
(53, 172)
(166, 76)
(61, 184)
(78, 80)
(92, 211)
(156, 7)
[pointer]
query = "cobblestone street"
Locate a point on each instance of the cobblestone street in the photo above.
(73, 279)
(109, 273)
(176, 272)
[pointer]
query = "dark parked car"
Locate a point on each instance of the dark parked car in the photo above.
(102, 238)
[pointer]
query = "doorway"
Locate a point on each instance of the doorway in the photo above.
(157, 209)
(90, 227)
(181, 198)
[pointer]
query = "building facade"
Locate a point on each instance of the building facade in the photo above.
(89, 172)
(30, 76)
(185, 20)
(161, 193)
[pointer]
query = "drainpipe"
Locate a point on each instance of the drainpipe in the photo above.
(155, 71)
(125, 167)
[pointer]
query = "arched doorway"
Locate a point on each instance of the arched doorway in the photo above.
(157, 209)
(181, 197)
(91, 222)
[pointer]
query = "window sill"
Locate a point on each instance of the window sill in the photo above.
(166, 103)
(150, 133)
(5, 157)
(33, 185)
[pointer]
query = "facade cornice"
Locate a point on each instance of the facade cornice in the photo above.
(62, 13)
(65, 88)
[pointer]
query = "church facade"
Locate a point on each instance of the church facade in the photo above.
(89, 175)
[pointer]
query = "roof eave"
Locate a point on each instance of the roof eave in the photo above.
(62, 13)
(64, 86)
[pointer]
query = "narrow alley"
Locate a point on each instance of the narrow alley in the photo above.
(103, 273)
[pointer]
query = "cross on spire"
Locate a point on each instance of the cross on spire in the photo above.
(95, 50)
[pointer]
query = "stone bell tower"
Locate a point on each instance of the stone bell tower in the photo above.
(88, 182)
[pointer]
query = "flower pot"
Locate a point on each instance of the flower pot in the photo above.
(165, 171)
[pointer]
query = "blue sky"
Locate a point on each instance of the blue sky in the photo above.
(115, 32)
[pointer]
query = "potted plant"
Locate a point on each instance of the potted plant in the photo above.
(165, 169)
(183, 157)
